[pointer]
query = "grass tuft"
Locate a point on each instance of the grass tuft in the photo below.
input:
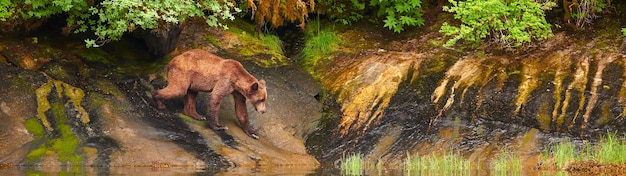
(447, 164)
(611, 150)
(320, 43)
(507, 163)
(352, 165)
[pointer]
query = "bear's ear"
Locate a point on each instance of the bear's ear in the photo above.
(262, 82)
(254, 87)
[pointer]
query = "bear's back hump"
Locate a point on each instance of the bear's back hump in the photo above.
(195, 60)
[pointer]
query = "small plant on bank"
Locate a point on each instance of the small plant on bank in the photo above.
(320, 43)
(610, 150)
(507, 23)
(564, 153)
(352, 165)
(507, 163)
(399, 13)
(447, 164)
(395, 14)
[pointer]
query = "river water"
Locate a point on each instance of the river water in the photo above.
(262, 170)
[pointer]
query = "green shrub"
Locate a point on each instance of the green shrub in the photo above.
(400, 13)
(342, 11)
(110, 19)
(508, 23)
(396, 13)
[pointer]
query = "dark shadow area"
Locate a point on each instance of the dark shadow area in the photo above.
(226, 138)
(170, 126)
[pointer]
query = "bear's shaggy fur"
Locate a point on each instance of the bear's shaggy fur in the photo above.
(200, 71)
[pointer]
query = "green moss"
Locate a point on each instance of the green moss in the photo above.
(74, 94)
(262, 45)
(66, 143)
(34, 127)
(43, 104)
(57, 71)
(212, 40)
(35, 155)
(66, 146)
(191, 119)
(252, 46)
(94, 55)
(22, 83)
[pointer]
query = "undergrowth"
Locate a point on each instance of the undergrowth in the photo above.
(320, 43)
(611, 149)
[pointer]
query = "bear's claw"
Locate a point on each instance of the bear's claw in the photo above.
(252, 133)
(253, 136)
(219, 127)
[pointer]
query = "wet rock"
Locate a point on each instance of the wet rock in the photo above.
(366, 84)
(292, 113)
(14, 110)
(473, 102)
(103, 116)
(28, 62)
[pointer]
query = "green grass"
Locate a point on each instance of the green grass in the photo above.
(564, 153)
(320, 43)
(352, 165)
(447, 164)
(610, 149)
(507, 163)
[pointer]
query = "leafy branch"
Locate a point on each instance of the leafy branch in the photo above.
(509, 24)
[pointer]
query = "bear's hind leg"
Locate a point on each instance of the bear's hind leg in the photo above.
(158, 101)
(177, 86)
(169, 92)
(190, 105)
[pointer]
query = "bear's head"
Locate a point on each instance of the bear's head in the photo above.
(258, 95)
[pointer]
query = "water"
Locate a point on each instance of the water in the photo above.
(275, 170)
(261, 170)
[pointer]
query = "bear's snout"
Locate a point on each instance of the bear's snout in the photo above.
(262, 111)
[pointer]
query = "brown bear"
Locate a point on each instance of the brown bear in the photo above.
(200, 71)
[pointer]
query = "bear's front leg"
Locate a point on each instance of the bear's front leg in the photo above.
(190, 105)
(242, 114)
(220, 91)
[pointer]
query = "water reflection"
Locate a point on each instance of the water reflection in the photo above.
(260, 170)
